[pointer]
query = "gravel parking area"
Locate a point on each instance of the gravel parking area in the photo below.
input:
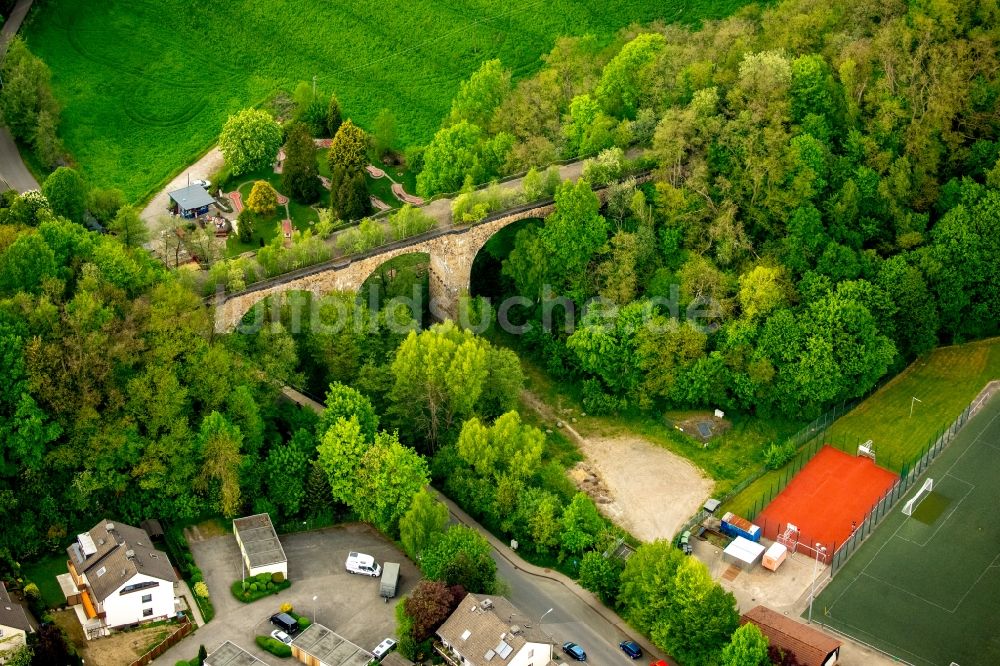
(349, 605)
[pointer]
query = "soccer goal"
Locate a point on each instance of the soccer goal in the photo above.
(924, 491)
(867, 450)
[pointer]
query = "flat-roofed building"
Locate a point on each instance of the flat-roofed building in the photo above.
(230, 654)
(319, 646)
(259, 545)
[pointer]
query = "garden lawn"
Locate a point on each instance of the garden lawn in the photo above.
(303, 217)
(146, 86)
(380, 187)
(43, 574)
(945, 382)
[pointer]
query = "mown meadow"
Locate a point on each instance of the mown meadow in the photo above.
(146, 86)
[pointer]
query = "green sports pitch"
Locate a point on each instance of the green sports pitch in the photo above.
(926, 588)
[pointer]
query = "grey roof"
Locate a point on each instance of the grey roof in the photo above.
(330, 648)
(12, 614)
(191, 197)
(396, 659)
(230, 654)
(260, 541)
(113, 546)
(478, 627)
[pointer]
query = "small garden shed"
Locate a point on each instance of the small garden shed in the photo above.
(190, 201)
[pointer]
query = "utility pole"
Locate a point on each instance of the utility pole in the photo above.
(314, 86)
(913, 400)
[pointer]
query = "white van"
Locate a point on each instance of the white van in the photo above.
(383, 648)
(359, 563)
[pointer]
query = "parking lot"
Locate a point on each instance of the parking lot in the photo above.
(348, 604)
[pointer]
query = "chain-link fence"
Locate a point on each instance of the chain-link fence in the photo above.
(909, 474)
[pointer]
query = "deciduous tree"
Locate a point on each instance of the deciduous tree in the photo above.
(581, 525)
(452, 156)
(461, 557)
(429, 605)
(481, 94)
(388, 477)
(129, 227)
(66, 193)
(219, 445)
(263, 198)
(425, 521)
(747, 647)
(345, 402)
(341, 449)
(250, 140)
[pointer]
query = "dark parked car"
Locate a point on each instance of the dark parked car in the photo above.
(286, 622)
(631, 648)
(574, 651)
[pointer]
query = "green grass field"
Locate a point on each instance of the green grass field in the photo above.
(945, 382)
(146, 86)
(924, 588)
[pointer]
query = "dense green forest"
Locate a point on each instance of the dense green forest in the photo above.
(825, 188)
(822, 208)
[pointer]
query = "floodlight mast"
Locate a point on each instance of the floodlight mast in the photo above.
(812, 595)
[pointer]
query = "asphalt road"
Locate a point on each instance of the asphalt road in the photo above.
(570, 620)
(12, 169)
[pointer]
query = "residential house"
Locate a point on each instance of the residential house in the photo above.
(15, 625)
(809, 646)
(118, 578)
(492, 632)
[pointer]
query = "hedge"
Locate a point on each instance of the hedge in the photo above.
(274, 646)
(259, 586)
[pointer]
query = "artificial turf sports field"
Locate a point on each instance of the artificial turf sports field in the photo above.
(926, 588)
(146, 85)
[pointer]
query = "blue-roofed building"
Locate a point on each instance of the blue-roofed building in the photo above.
(190, 201)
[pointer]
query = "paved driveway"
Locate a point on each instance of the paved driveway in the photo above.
(349, 605)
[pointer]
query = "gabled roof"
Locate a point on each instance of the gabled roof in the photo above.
(12, 614)
(489, 630)
(191, 197)
(810, 646)
(119, 553)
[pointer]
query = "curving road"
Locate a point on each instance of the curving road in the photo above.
(577, 615)
(13, 174)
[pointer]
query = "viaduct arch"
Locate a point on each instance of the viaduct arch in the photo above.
(452, 252)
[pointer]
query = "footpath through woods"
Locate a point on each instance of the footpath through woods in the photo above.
(529, 576)
(12, 170)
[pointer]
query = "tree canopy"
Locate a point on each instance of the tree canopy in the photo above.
(250, 140)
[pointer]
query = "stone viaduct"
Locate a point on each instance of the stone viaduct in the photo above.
(452, 251)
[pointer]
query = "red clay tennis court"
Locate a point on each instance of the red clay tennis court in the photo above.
(833, 490)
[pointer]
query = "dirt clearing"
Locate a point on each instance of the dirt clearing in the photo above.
(114, 650)
(646, 489)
